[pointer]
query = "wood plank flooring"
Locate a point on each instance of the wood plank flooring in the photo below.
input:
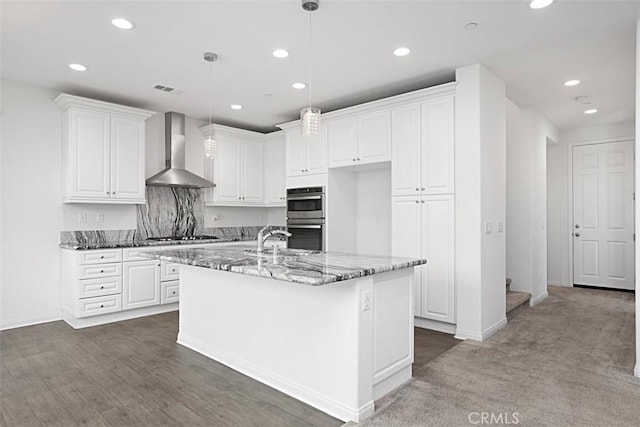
(133, 373)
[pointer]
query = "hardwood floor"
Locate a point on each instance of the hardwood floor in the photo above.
(133, 373)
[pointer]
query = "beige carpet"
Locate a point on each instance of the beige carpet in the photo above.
(566, 362)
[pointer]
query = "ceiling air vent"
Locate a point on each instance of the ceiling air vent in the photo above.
(163, 88)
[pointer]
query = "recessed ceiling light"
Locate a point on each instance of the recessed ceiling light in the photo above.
(298, 85)
(123, 24)
(471, 26)
(539, 4)
(572, 82)
(236, 107)
(280, 53)
(401, 51)
(591, 111)
(78, 67)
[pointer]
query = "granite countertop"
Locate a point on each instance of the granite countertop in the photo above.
(142, 243)
(313, 268)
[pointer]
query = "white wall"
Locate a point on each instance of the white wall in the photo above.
(528, 135)
(637, 219)
(480, 198)
(32, 215)
(559, 223)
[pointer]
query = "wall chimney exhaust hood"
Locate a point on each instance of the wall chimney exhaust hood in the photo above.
(175, 174)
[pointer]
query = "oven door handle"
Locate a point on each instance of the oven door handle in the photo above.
(304, 226)
(292, 197)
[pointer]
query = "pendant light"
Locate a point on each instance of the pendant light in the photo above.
(310, 116)
(210, 144)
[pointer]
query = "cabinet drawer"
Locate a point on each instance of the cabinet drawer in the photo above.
(99, 271)
(170, 271)
(100, 256)
(133, 254)
(170, 292)
(99, 305)
(99, 287)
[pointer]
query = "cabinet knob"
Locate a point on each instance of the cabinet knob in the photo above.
(113, 192)
(158, 265)
(423, 188)
(101, 287)
(353, 160)
(173, 293)
(101, 256)
(101, 271)
(417, 189)
(417, 201)
(107, 192)
(173, 270)
(101, 305)
(358, 158)
(423, 201)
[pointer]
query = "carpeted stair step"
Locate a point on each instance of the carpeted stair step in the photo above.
(516, 302)
(508, 284)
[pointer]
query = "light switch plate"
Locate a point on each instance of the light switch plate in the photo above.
(500, 227)
(366, 300)
(82, 217)
(487, 228)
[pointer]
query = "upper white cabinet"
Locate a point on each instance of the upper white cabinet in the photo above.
(359, 140)
(306, 155)
(103, 151)
(423, 148)
(276, 193)
(238, 168)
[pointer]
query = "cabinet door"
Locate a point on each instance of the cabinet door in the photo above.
(316, 152)
(342, 142)
(438, 288)
(252, 173)
(89, 147)
(406, 237)
(374, 137)
(405, 153)
(140, 284)
(127, 159)
(438, 146)
(296, 153)
(275, 168)
(227, 172)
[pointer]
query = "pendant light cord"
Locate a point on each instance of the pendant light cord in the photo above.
(210, 94)
(310, 58)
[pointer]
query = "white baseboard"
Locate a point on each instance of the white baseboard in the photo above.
(487, 333)
(537, 300)
(87, 322)
(297, 391)
(636, 371)
(28, 321)
(447, 328)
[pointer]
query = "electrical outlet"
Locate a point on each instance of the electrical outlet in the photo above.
(500, 227)
(366, 300)
(100, 217)
(82, 217)
(487, 228)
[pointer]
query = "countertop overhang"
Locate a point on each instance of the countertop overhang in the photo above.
(313, 268)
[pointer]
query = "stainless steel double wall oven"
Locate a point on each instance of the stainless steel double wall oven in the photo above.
(306, 217)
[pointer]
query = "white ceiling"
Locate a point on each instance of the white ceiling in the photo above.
(532, 51)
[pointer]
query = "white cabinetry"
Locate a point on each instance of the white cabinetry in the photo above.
(238, 168)
(359, 140)
(276, 193)
(141, 284)
(423, 148)
(305, 156)
(103, 151)
(423, 227)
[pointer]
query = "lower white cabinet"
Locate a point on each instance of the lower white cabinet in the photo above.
(170, 292)
(423, 227)
(140, 284)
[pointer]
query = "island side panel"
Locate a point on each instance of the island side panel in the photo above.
(314, 343)
(392, 330)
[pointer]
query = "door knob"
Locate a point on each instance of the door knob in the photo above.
(577, 234)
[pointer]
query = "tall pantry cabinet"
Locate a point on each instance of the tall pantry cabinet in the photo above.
(423, 201)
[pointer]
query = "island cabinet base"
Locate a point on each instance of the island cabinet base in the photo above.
(336, 347)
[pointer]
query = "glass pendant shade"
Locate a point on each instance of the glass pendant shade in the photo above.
(310, 118)
(210, 147)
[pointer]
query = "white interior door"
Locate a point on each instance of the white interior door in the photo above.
(603, 227)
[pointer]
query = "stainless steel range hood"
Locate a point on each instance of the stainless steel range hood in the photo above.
(175, 174)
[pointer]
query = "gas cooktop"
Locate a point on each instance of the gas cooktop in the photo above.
(174, 238)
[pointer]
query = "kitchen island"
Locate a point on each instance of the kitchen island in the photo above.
(333, 330)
